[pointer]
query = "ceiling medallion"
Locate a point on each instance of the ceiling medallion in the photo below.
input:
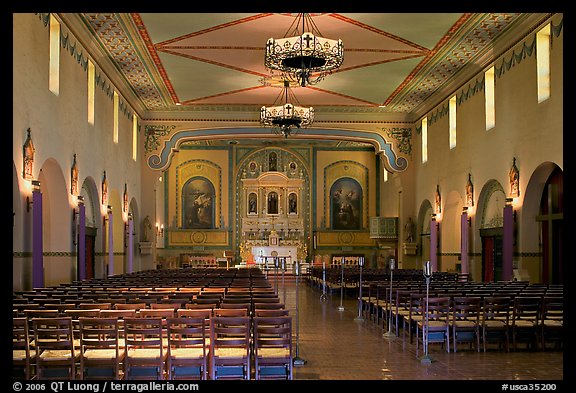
(286, 119)
(304, 56)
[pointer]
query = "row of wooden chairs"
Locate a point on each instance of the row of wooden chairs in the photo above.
(473, 319)
(182, 347)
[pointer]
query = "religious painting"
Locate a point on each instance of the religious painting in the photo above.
(346, 204)
(292, 203)
(252, 203)
(272, 203)
(198, 204)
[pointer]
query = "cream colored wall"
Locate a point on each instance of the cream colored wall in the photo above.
(60, 129)
(526, 130)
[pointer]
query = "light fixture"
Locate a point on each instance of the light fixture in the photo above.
(284, 117)
(159, 230)
(304, 55)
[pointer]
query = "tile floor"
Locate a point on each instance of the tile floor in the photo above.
(335, 346)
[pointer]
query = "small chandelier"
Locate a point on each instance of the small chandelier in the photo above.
(283, 118)
(305, 57)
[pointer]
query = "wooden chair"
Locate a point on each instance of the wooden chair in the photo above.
(526, 316)
(465, 323)
(187, 356)
(130, 306)
(271, 313)
(90, 306)
(273, 347)
(22, 357)
(145, 355)
(495, 324)
(53, 342)
(230, 348)
(415, 314)
(231, 312)
(437, 319)
(552, 321)
(100, 353)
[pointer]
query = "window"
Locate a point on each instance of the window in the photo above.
(489, 98)
(54, 72)
(424, 140)
(116, 110)
(91, 89)
(452, 119)
(543, 63)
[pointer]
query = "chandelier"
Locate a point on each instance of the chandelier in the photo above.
(287, 118)
(304, 56)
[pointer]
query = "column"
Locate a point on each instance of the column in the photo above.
(434, 244)
(81, 240)
(130, 243)
(37, 245)
(508, 240)
(464, 238)
(110, 243)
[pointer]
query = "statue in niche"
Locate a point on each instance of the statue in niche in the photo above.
(514, 175)
(438, 200)
(469, 192)
(147, 229)
(252, 204)
(409, 230)
(272, 203)
(292, 204)
(104, 189)
(273, 162)
(28, 155)
(74, 178)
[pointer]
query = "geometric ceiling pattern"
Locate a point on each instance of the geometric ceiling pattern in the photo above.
(392, 62)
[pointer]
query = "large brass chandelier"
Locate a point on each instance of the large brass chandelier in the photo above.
(286, 118)
(304, 56)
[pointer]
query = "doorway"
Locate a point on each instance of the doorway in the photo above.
(90, 251)
(491, 254)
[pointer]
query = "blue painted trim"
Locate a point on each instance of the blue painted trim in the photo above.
(162, 160)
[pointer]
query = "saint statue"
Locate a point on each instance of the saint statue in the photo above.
(469, 192)
(147, 232)
(28, 155)
(438, 200)
(409, 231)
(514, 175)
(74, 178)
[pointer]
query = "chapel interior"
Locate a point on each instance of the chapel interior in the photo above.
(163, 159)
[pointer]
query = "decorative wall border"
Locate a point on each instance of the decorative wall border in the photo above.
(161, 159)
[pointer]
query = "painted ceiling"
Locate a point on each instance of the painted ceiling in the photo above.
(393, 63)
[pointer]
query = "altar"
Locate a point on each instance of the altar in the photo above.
(266, 254)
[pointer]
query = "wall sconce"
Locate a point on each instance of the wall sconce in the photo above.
(35, 188)
(159, 230)
(469, 219)
(510, 202)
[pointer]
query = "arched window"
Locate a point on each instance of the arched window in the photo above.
(346, 204)
(198, 205)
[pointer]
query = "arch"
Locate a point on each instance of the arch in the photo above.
(115, 201)
(198, 203)
(57, 214)
(346, 204)
(423, 229)
(533, 212)
(489, 225)
(135, 213)
(450, 228)
(161, 160)
(93, 227)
